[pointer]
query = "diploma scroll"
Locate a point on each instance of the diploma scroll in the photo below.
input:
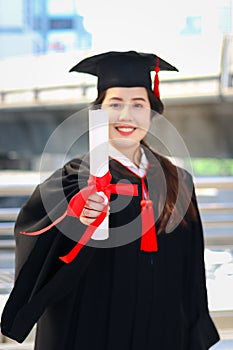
(99, 166)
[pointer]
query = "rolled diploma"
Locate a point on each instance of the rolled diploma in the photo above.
(98, 148)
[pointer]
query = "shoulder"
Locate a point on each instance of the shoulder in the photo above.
(66, 173)
(76, 165)
(185, 175)
(170, 168)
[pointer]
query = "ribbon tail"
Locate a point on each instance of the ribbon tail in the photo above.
(149, 237)
(68, 258)
(124, 189)
(45, 229)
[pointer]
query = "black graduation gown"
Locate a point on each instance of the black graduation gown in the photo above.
(108, 298)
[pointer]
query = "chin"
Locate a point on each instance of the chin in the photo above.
(124, 143)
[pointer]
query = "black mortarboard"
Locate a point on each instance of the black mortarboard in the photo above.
(124, 69)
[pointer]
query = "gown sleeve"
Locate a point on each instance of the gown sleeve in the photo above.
(41, 278)
(202, 331)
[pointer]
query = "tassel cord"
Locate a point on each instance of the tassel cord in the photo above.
(149, 237)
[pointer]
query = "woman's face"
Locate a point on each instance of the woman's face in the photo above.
(129, 115)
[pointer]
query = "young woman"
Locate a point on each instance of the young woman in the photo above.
(143, 288)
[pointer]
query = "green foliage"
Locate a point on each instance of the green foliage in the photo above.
(212, 167)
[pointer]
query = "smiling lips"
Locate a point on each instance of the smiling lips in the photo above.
(125, 130)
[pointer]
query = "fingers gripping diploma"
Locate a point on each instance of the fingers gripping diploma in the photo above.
(94, 206)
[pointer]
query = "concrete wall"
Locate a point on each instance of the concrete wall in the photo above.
(206, 129)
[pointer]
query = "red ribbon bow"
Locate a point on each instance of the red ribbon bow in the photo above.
(77, 203)
(102, 184)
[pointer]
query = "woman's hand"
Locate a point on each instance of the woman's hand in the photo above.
(93, 208)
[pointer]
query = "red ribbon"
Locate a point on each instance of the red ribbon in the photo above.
(77, 203)
(102, 184)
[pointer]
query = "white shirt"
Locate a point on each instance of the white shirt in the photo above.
(121, 158)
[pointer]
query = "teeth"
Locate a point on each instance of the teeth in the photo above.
(125, 129)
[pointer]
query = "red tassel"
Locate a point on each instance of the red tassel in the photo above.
(156, 79)
(149, 238)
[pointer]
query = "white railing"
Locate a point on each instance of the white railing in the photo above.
(187, 87)
(192, 88)
(214, 214)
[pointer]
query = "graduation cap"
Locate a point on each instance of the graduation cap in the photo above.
(124, 69)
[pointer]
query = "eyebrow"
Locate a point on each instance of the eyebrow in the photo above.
(139, 99)
(133, 99)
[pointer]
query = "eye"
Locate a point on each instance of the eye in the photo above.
(115, 105)
(137, 105)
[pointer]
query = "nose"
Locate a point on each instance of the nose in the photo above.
(125, 113)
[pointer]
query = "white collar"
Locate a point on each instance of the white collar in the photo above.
(121, 158)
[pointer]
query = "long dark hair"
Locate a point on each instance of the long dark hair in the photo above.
(170, 171)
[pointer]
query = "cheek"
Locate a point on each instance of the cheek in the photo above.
(111, 118)
(144, 122)
(111, 129)
(111, 123)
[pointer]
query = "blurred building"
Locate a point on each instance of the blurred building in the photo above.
(41, 26)
(220, 13)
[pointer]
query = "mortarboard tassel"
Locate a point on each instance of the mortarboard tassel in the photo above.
(156, 79)
(149, 238)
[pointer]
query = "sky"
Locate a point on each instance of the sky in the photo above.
(152, 26)
(148, 26)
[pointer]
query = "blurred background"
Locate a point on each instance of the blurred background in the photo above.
(40, 40)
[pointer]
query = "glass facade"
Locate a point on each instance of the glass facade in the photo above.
(41, 27)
